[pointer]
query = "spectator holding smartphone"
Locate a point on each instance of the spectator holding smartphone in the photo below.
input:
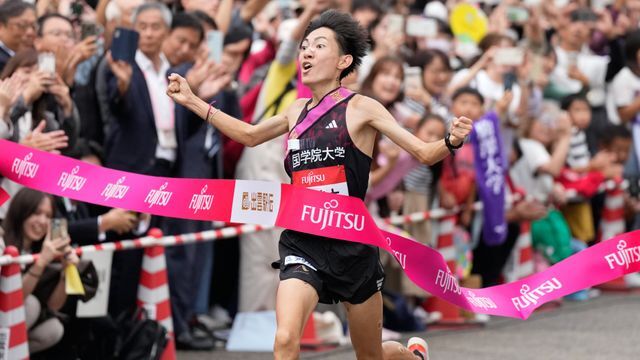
(27, 227)
(43, 96)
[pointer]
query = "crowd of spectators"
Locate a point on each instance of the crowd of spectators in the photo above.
(561, 76)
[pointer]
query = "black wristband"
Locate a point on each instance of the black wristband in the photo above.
(450, 146)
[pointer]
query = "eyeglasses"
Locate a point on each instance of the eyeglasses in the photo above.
(60, 33)
(24, 26)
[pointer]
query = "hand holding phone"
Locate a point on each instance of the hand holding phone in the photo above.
(215, 44)
(509, 79)
(124, 45)
(59, 228)
(47, 62)
(90, 29)
(55, 243)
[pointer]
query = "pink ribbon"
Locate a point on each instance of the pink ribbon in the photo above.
(313, 212)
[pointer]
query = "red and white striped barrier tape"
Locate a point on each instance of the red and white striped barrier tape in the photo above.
(232, 231)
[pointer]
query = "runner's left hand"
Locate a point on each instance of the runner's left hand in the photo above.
(460, 129)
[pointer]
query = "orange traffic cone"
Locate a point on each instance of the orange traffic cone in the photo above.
(311, 340)
(13, 329)
(450, 314)
(153, 291)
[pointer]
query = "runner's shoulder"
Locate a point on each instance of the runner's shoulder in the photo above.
(296, 107)
(367, 106)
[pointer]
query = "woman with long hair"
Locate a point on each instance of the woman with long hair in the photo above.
(336, 271)
(27, 227)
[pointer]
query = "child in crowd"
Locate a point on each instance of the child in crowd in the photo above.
(583, 172)
(457, 182)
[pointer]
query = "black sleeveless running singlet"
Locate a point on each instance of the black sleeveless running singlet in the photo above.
(328, 160)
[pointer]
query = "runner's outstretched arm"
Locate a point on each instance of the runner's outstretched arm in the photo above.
(238, 130)
(430, 153)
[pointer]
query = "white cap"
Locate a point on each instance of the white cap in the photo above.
(436, 9)
(286, 28)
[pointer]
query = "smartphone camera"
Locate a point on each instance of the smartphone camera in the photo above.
(509, 79)
(47, 63)
(88, 29)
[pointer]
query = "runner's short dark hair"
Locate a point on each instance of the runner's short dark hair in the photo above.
(351, 37)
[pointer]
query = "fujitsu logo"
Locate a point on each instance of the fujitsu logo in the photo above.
(332, 218)
(115, 191)
(624, 256)
(23, 167)
(401, 257)
(312, 178)
(448, 282)
(201, 201)
(480, 302)
(158, 197)
(72, 180)
(531, 297)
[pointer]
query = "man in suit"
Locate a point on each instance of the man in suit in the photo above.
(17, 28)
(142, 137)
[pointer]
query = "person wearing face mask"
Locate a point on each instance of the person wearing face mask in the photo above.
(27, 227)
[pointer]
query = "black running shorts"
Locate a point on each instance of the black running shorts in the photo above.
(338, 270)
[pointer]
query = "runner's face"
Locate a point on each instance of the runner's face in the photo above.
(320, 58)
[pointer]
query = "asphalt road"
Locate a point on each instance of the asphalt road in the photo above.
(606, 328)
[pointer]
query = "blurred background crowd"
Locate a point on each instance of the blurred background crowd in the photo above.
(561, 77)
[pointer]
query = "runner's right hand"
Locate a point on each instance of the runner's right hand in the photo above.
(179, 89)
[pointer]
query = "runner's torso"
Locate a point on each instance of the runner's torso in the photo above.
(325, 157)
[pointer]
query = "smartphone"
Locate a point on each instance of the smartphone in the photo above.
(124, 45)
(512, 56)
(215, 44)
(573, 58)
(421, 27)
(583, 15)
(517, 14)
(508, 80)
(47, 62)
(413, 77)
(59, 228)
(537, 68)
(89, 29)
(395, 24)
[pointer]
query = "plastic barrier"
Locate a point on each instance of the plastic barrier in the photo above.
(13, 328)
